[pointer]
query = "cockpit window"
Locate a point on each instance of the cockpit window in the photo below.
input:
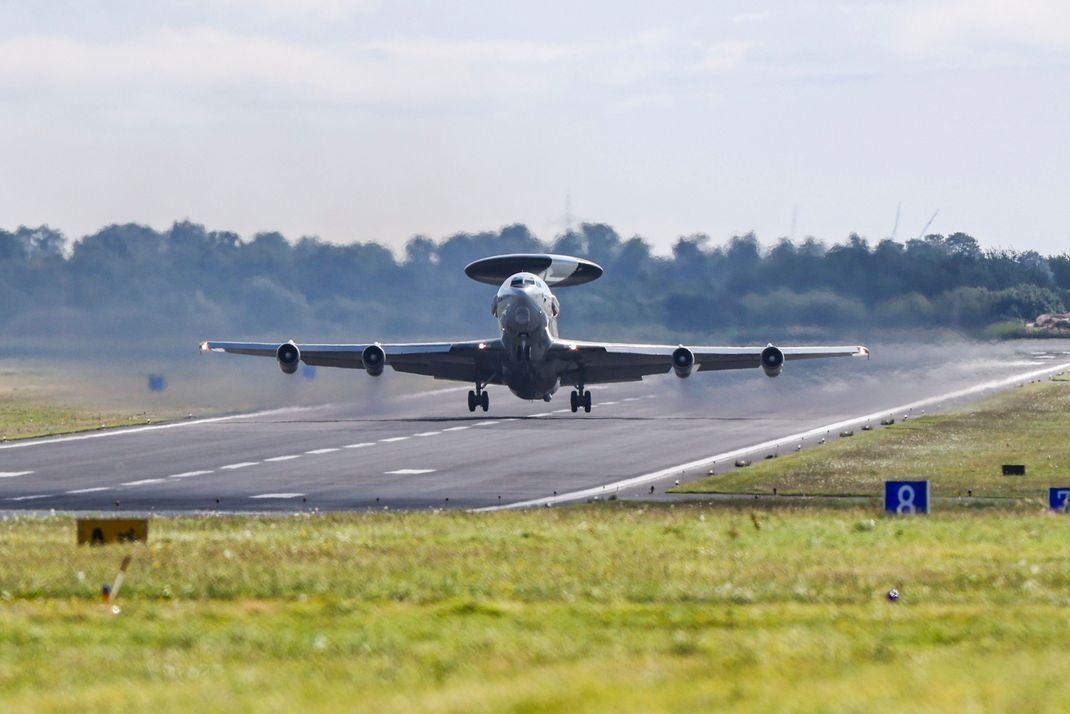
(516, 283)
(529, 281)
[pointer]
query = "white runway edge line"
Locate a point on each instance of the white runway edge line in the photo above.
(737, 453)
(13, 474)
(197, 422)
(278, 495)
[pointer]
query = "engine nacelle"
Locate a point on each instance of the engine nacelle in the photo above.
(772, 361)
(683, 361)
(374, 359)
(289, 357)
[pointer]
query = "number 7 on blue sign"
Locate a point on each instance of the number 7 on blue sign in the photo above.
(906, 497)
(1057, 498)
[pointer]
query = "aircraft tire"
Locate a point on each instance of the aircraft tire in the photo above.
(471, 401)
(574, 401)
(484, 401)
(587, 402)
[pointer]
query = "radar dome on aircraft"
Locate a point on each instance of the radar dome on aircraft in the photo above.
(557, 270)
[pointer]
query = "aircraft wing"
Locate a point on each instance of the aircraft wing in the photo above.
(462, 361)
(613, 362)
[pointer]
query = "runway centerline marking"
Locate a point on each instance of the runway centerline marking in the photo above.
(428, 433)
(322, 451)
(457, 428)
(31, 498)
(561, 411)
(288, 457)
(13, 474)
(277, 495)
(360, 445)
(409, 472)
(646, 478)
(487, 423)
(143, 482)
(541, 414)
(242, 465)
(94, 489)
(392, 439)
(607, 404)
(189, 474)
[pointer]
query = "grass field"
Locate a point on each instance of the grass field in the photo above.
(606, 608)
(960, 453)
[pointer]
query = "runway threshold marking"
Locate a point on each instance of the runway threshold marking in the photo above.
(644, 479)
(278, 495)
(94, 489)
(277, 459)
(13, 474)
(189, 474)
(242, 465)
(409, 472)
(143, 482)
(317, 452)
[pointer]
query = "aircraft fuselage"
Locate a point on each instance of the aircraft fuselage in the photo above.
(527, 317)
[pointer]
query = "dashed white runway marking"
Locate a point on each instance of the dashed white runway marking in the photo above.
(278, 495)
(392, 439)
(143, 482)
(457, 428)
(630, 399)
(94, 489)
(321, 451)
(486, 423)
(242, 465)
(189, 474)
(428, 433)
(30, 498)
(542, 414)
(409, 472)
(13, 474)
(288, 457)
(607, 404)
(561, 411)
(360, 445)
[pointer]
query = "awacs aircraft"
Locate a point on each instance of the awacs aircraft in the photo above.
(529, 356)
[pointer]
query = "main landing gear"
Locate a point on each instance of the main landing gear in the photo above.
(478, 398)
(579, 399)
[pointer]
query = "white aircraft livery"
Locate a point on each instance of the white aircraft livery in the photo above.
(529, 356)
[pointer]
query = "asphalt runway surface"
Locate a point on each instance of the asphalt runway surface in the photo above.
(425, 450)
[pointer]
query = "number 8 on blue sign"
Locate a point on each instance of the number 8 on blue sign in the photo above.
(906, 497)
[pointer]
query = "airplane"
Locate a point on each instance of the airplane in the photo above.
(529, 356)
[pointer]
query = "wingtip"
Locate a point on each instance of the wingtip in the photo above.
(863, 351)
(203, 346)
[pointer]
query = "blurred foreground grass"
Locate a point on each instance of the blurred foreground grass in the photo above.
(959, 452)
(601, 608)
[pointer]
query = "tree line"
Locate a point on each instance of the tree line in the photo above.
(131, 282)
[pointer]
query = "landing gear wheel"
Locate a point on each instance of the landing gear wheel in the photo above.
(484, 401)
(574, 401)
(587, 402)
(471, 401)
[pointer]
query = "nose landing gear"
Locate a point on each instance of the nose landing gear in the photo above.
(581, 398)
(478, 398)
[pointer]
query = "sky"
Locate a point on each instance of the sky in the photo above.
(361, 120)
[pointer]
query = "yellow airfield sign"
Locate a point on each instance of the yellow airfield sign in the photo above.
(100, 531)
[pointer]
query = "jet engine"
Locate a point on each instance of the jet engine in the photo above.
(683, 361)
(374, 359)
(772, 361)
(288, 356)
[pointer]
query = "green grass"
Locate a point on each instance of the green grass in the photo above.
(606, 608)
(959, 453)
(24, 417)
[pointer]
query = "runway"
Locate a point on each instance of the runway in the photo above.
(427, 451)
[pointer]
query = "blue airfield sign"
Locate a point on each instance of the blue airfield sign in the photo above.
(1057, 497)
(906, 497)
